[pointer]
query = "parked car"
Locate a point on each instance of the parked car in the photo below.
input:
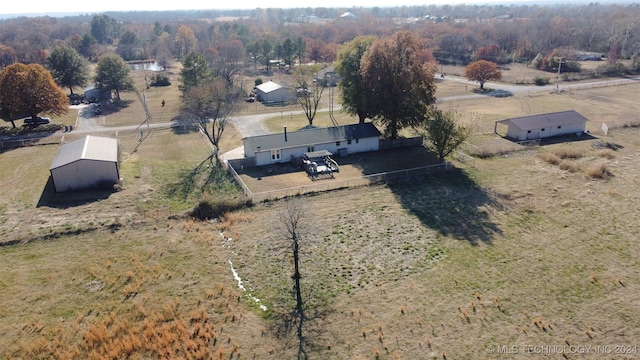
(37, 121)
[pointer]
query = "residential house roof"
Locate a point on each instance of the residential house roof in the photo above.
(89, 148)
(311, 136)
(539, 121)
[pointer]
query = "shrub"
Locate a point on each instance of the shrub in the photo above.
(569, 166)
(606, 153)
(160, 80)
(210, 210)
(599, 171)
(540, 81)
(550, 158)
(569, 153)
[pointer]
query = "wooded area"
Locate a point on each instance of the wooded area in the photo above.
(455, 34)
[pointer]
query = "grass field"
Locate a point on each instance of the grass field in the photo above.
(534, 247)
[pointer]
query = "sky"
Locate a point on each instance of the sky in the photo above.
(51, 7)
(58, 7)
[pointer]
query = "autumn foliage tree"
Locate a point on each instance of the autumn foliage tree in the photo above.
(488, 53)
(399, 81)
(482, 71)
(30, 90)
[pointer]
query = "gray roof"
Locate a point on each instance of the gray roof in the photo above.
(88, 148)
(313, 136)
(532, 122)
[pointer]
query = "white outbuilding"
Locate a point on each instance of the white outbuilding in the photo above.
(272, 92)
(543, 125)
(90, 162)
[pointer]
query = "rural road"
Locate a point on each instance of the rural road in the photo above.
(253, 125)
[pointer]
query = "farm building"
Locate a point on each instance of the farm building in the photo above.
(86, 163)
(284, 147)
(543, 125)
(271, 92)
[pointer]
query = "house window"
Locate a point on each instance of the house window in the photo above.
(275, 154)
(559, 127)
(337, 143)
(542, 129)
(357, 141)
(528, 131)
(310, 149)
(349, 142)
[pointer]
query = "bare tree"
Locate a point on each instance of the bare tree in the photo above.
(212, 102)
(308, 95)
(292, 227)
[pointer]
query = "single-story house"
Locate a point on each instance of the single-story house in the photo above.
(271, 92)
(93, 94)
(286, 146)
(86, 163)
(544, 125)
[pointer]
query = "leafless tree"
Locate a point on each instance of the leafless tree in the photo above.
(292, 226)
(308, 92)
(211, 103)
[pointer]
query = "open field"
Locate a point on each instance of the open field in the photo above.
(536, 247)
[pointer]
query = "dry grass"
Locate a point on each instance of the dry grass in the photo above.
(599, 171)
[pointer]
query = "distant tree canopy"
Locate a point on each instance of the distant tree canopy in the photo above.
(68, 67)
(105, 29)
(30, 90)
(482, 71)
(398, 77)
(113, 74)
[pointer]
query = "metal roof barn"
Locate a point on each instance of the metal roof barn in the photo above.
(91, 162)
(271, 92)
(544, 125)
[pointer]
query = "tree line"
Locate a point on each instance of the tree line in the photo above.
(454, 33)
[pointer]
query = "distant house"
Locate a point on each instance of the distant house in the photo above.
(348, 16)
(543, 125)
(286, 146)
(93, 94)
(271, 92)
(91, 162)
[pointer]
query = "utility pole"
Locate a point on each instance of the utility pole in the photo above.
(560, 60)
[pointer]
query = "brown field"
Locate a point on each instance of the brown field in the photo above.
(529, 246)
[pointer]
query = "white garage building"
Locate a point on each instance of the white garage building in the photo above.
(271, 92)
(543, 125)
(91, 162)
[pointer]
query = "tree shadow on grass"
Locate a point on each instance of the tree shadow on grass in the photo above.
(284, 323)
(50, 198)
(451, 203)
(184, 128)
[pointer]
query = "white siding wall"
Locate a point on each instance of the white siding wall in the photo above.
(84, 174)
(363, 145)
(278, 95)
(549, 131)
